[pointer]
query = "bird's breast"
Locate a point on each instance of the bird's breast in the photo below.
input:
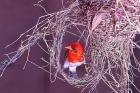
(75, 57)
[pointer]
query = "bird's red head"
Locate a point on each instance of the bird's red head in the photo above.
(75, 52)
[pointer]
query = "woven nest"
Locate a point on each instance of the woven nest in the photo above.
(107, 30)
(108, 43)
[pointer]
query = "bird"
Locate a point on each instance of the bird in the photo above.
(74, 57)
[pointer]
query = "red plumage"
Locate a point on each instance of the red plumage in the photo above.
(74, 57)
(76, 53)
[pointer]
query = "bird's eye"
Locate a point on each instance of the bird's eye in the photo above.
(74, 49)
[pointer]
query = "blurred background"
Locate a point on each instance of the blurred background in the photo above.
(17, 16)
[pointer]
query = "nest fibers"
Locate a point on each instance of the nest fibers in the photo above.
(107, 29)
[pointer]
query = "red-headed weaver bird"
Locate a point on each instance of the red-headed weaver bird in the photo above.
(74, 57)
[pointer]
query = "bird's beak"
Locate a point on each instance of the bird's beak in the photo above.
(69, 47)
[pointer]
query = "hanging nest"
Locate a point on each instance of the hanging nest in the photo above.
(106, 28)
